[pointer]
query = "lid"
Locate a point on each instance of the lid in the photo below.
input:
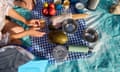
(79, 5)
(60, 53)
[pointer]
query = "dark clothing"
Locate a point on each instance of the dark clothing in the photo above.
(11, 59)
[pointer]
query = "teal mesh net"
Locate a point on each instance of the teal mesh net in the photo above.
(107, 55)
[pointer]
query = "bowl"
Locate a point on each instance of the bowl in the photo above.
(90, 35)
(69, 26)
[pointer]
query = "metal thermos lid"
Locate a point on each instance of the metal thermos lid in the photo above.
(60, 53)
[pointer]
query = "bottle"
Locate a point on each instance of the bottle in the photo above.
(92, 4)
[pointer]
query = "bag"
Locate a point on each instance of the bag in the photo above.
(11, 57)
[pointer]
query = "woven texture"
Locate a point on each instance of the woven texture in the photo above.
(42, 47)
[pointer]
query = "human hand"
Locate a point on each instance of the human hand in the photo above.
(33, 23)
(33, 32)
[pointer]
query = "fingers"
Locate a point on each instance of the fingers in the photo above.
(42, 33)
(34, 23)
(37, 22)
(35, 28)
(38, 34)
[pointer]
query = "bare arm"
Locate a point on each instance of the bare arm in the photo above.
(12, 13)
(30, 32)
(19, 35)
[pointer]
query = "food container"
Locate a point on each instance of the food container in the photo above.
(92, 4)
(57, 1)
(90, 35)
(69, 26)
(76, 48)
(79, 7)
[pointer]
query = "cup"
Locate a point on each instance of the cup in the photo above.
(79, 7)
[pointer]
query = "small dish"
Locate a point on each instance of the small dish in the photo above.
(90, 35)
(69, 26)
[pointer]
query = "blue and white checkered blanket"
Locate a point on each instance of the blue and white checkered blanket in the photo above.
(43, 48)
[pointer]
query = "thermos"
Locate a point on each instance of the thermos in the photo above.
(92, 4)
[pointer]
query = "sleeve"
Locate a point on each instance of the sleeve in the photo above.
(9, 5)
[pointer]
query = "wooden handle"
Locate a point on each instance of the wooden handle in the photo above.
(79, 16)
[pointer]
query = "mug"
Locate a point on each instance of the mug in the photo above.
(79, 7)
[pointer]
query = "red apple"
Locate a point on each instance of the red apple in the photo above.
(45, 11)
(52, 11)
(52, 5)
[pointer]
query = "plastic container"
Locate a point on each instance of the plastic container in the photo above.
(92, 4)
(74, 48)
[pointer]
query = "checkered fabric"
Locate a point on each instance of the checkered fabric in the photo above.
(43, 48)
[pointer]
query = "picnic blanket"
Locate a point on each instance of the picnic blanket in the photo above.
(41, 46)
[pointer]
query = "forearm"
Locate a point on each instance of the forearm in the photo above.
(12, 13)
(19, 35)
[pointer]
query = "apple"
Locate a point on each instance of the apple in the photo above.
(45, 11)
(52, 11)
(52, 5)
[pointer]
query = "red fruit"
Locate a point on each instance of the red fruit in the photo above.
(52, 5)
(52, 11)
(45, 11)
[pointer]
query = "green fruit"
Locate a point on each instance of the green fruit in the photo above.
(57, 37)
